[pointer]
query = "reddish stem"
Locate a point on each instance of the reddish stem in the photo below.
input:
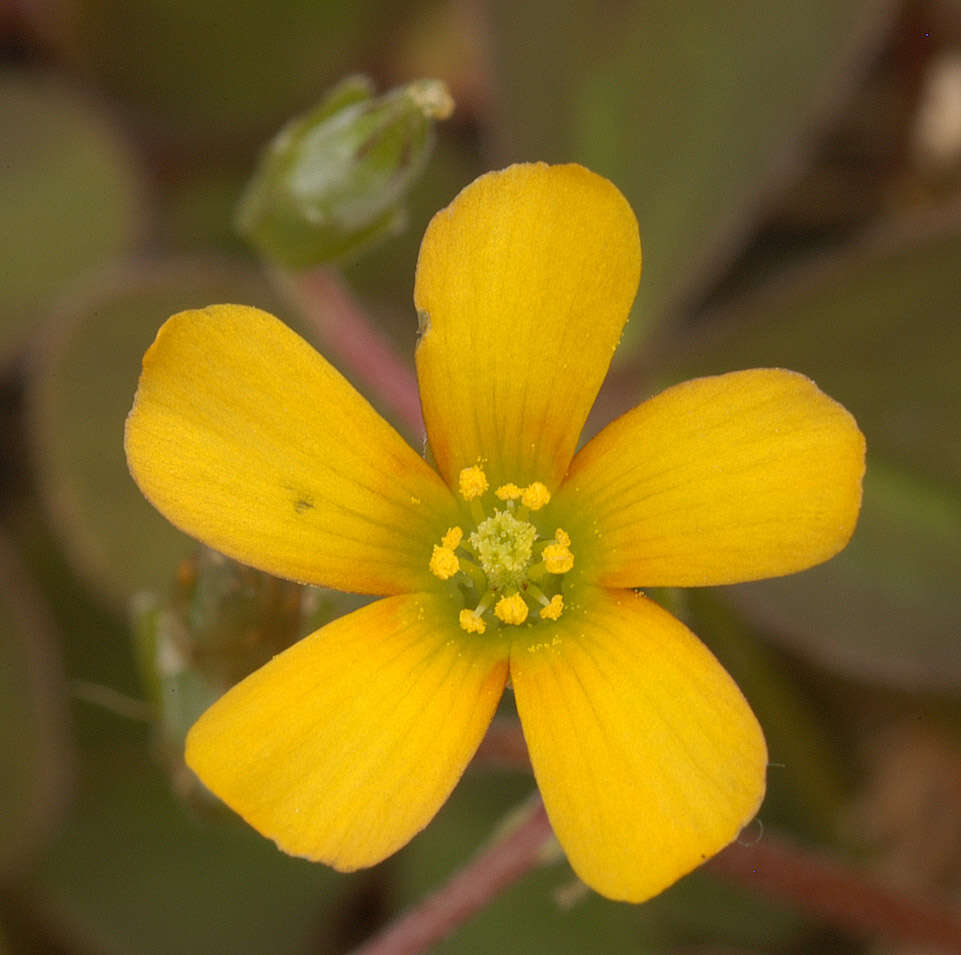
(839, 894)
(827, 889)
(352, 340)
(503, 747)
(468, 891)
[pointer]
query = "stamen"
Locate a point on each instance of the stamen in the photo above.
(512, 609)
(509, 492)
(485, 602)
(532, 590)
(451, 540)
(471, 621)
(472, 483)
(558, 558)
(474, 576)
(535, 496)
(443, 563)
(554, 609)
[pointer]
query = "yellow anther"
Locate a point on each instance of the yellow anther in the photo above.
(472, 483)
(535, 496)
(558, 559)
(443, 563)
(562, 538)
(554, 609)
(512, 609)
(509, 492)
(471, 622)
(452, 538)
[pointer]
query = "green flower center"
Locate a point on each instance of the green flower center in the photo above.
(505, 568)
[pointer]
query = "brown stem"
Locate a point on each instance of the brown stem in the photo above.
(468, 891)
(838, 894)
(351, 339)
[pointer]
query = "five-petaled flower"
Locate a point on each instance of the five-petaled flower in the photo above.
(515, 559)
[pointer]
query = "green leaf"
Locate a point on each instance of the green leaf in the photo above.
(222, 68)
(886, 608)
(62, 168)
(136, 872)
(34, 752)
(876, 326)
(688, 108)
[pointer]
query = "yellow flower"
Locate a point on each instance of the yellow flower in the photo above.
(342, 748)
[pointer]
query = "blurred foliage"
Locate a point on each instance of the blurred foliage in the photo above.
(208, 72)
(35, 761)
(796, 170)
(63, 166)
(692, 117)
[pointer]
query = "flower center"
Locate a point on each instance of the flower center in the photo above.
(504, 546)
(505, 567)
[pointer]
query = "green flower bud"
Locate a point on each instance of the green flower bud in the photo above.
(333, 180)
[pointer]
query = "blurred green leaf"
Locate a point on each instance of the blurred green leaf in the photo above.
(62, 168)
(887, 607)
(34, 754)
(688, 107)
(134, 873)
(82, 389)
(203, 71)
(877, 328)
(198, 208)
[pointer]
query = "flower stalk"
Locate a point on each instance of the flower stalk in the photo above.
(508, 858)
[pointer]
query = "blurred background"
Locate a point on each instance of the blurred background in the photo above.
(796, 172)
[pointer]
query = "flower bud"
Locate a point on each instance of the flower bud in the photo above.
(333, 180)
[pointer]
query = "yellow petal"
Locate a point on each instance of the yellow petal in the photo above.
(523, 286)
(342, 748)
(244, 436)
(718, 480)
(646, 753)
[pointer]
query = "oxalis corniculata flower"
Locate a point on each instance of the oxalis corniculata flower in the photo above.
(515, 559)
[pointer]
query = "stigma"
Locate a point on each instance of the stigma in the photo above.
(507, 568)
